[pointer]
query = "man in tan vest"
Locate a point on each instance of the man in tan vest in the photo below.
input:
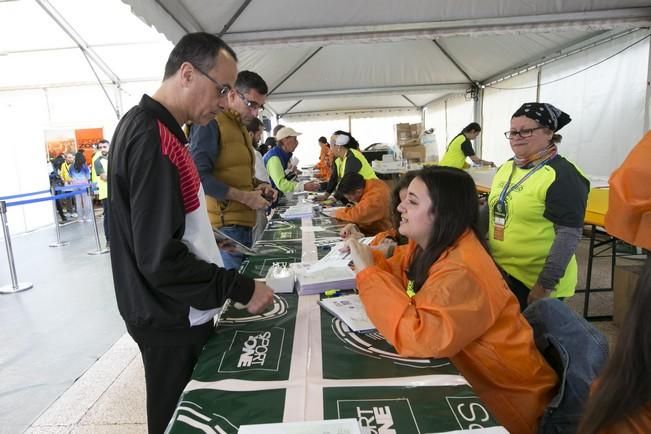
(224, 157)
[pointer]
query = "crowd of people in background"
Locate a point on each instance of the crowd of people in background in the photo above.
(71, 169)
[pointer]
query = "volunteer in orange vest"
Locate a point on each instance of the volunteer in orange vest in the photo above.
(369, 199)
(621, 399)
(441, 295)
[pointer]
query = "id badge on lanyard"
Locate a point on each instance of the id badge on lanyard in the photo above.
(500, 209)
(499, 220)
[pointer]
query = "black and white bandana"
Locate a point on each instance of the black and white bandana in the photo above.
(545, 114)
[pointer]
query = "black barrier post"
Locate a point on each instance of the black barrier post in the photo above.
(99, 250)
(58, 243)
(15, 285)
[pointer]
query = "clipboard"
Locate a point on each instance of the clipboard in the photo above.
(239, 247)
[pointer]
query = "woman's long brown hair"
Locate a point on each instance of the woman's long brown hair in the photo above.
(624, 388)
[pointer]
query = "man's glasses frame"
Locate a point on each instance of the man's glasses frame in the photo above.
(251, 105)
(524, 133)
(222, 89)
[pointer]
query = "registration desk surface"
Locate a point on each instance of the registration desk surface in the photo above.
(296, 362)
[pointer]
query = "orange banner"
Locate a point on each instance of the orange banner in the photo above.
(59, 142)
(86, 138)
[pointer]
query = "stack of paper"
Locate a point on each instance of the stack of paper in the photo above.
(298, 211)
(339, 250)
(350, 310)
(337, 426)
(331, 211)
(322, 276)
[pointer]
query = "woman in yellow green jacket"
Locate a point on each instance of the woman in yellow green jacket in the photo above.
(348, 159)
(460, 148)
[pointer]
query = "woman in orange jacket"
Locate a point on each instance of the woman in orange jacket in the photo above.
(621, 401)
(325, 159)
(441, 295)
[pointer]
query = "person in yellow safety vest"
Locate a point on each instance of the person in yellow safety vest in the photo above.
(96, 155)
(536, 208)
(64, 174)
(460, 148)
(100, 166)
(64, 171)
(348, 159)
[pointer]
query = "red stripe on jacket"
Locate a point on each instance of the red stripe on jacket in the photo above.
(179, 155)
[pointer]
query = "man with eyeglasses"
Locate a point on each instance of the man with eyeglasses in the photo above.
(224, 155)
(167, 270)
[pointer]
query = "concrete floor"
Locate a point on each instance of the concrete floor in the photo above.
(51, 334)
(71, 368)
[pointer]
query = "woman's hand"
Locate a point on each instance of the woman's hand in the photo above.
(323, 197)
(227, 246)
(311, 186)
(350, 231)
(386, 247)
(361, 254)
(538, 293)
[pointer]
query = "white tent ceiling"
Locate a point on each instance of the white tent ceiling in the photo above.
(360, 54)
(315, 55)
(54, 43)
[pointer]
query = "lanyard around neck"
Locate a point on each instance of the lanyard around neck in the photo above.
(506, 190)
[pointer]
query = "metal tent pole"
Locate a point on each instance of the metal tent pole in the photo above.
(99, 250)
(58, 243)
(15, 285)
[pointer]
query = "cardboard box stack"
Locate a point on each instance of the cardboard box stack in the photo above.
(408, 140)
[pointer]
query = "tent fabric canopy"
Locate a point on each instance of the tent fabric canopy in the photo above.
(313, 53)
(315, 56)
(55, 44)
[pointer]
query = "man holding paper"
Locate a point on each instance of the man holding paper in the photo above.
(370, 199)
(278, 159)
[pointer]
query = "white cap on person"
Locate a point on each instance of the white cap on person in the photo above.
(286, 132)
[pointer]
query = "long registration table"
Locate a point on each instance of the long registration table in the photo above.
(296, 362)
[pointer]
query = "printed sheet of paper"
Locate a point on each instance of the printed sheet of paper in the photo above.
(337, 426)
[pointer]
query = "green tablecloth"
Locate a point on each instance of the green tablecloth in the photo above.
(296, 362)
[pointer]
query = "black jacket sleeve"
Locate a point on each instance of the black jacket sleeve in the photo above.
(158, 225)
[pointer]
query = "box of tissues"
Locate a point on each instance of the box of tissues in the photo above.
(280, 278)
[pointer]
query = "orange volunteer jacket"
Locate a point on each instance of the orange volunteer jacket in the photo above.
(465, 312)
(629, 199)
(380, 237)
(325, 163)
(371, 213)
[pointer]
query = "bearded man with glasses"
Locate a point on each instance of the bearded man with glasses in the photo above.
(167, 270)
(225, 159)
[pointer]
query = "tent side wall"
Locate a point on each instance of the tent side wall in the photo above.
(604, 90)
(28, 115)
